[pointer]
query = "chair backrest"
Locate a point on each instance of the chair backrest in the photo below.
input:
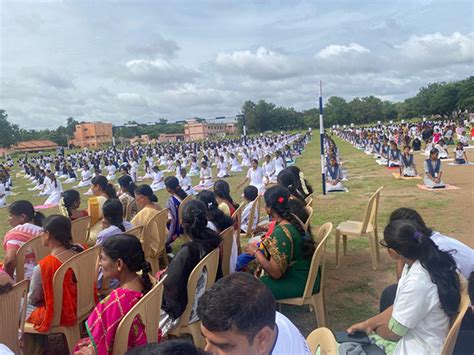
(227, 236)
(136, 231)
(370, 216)
(323, 339)
(310, 211)
(237, 216)
(13, 313)
(181, 208)
(210, 262)
(160, 219)
(253, 210)
(38, 249)
(450, 340)
(79, 229)
(309, 200)
(148, 309)
(83, 265)
(318, 260)
(128, 210)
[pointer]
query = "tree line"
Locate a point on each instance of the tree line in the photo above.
(437, 99)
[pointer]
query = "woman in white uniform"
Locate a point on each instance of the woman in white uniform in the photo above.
(111, 169)
(158, 179)
(235, 167)
(255, 175)
(428, 294)
(407, 163)
(433, 171)
(86, 177)
(222, 168)
(333, 176)
(56, 190)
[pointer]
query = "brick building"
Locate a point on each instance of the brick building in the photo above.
(92, 135)
(199, 130)
(34, 146)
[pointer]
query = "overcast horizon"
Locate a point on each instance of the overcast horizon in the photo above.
(117, 61)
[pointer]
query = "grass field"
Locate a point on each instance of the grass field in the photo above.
(353, 290)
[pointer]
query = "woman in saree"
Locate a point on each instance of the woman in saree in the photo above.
(285, 255)
(121, 258)
(102, 190)
(56, 235)
(177, 196)
(147, 204)
(26, 225)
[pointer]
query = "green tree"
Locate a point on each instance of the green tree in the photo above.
(337, 112)
(71, 126)
(8, 132)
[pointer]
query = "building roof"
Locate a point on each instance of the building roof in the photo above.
(34, 145)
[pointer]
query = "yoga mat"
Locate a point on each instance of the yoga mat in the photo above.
(393, 168)
(398, 177)
(447, 187)
(345, 190)
(454, 164)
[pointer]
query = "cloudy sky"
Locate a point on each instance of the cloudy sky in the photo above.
(142, 60)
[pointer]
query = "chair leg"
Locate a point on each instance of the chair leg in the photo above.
(377, 248)
(198, 339)
(72, 335)
(373, 251)
(319, 309)
(338, 240)
(344, 244)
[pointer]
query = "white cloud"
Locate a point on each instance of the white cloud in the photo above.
(159, 72)
(264, 64)
(132, 98)
(335, 50)
(156, 47)
(436, 50)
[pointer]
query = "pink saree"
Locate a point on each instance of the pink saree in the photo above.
(103, 322)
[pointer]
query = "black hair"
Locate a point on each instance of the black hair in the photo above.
(128, 248)
(214, 214)
(69, 198)
(25, 207)
(222, 190)
(127, 184)
(113, 213)
(412, 215)
(226, 306)
(59, 227)
(145, 190)
(405, 238)
(251, 193)
(277, 198)
(169, 347)
(287, 180)
(172, 183)
(301, 183)
(195, 223)
(104, 184)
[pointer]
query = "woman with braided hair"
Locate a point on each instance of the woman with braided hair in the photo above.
(70, 203)
(285, 255)
(121, 258)
(203, 241)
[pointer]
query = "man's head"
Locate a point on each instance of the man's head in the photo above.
(238, 316)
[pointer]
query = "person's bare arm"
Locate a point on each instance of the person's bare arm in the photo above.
(9, 262)
(379, 324)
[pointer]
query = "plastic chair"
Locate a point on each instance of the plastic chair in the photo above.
(80, 229)
(38, 249)
(366, 228)
(181, 208)
(227, 236)
(84, 267)
(310, 211)
(255, 209)
(136, 231)
(237, 217)
(13, 314)
(322, 339)
(210, 263)
(452, 336)
(148, 309)
(128, 210)
(318, 260)
(149, 233)
(309, 200)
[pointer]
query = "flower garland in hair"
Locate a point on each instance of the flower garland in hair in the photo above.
(303, 183)
(62, 208)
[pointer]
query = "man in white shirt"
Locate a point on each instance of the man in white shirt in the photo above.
(238, 316)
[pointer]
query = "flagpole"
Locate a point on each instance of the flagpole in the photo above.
(321, 136)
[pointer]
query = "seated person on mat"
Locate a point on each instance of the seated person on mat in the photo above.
(433, 171)
(407, 166)
(334, 176)
(460, 156)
